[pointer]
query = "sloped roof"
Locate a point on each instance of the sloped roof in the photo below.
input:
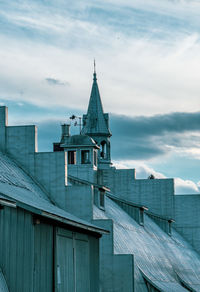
(80, 140)
(16, 186)
(95, 120)
(162, 259)
(3, 285)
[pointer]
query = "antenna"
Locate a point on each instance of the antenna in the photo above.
(76, 123)
(94, 66)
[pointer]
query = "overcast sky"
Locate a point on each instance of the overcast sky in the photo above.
(148, 68)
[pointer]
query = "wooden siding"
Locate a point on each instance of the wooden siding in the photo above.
(16, 249)
(36, 256)
(43, 258)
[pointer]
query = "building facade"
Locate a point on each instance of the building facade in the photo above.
(70, 221)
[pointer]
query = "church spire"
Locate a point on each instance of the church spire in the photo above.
(95, 122)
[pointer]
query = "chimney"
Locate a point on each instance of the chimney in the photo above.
(65, 133)
(3, 125)
(3, 116)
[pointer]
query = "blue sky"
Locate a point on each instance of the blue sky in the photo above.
(147, 55)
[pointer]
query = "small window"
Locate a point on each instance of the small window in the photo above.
(101, 199)
(71, 157)
(85, 159)
(170, 227)
(141, 216)
(95, 157)
(103, 150)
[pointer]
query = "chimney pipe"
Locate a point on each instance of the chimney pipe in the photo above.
(65, 133)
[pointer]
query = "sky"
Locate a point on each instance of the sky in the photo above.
(147, 56)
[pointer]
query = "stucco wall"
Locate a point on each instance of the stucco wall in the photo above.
(187, 218)
(156, 194)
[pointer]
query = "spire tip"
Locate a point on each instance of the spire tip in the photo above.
(94, 66)
(95, 76)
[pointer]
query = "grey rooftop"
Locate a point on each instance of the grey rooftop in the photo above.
(19, 189)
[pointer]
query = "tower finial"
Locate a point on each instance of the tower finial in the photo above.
(95, 75)
(94, 66)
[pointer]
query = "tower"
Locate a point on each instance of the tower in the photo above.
(96, 125)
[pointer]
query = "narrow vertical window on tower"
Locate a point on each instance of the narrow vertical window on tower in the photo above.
(101, 198)
(71, 157)
(103, 149)
(85, 156)
(95, 157)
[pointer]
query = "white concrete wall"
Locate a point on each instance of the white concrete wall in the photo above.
(156, 194)
(118, 180)
(187, 218)
(123, 272)
(116, 271)
(83, 171)
(50, 170)
(20, 142)
(79, 201)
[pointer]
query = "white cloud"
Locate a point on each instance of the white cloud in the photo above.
(137, 75)
(186, 187)
(138, 78)
(187, 144)
(143, 171)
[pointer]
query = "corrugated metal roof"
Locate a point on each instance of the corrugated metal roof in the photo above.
(17, 186)
(3, 285)
(159, 256)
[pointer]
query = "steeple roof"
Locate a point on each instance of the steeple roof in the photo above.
(95, 122)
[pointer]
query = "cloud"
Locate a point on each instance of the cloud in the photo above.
(147, 58)
(186, 187)
(158, 124)
(148, 137)
(53, 81)
(147, 55)
(143, 171)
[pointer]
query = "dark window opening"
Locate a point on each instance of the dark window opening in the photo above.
(103, 149)
(95, 158)
(71, 157)
(141, 216)
(101, 199)
(85, 158)
(169, 227)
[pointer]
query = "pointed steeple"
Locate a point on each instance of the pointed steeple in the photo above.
(96, 125)
(95, 122)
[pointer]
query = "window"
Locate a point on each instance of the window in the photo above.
(71, 157)
(85, 158)
(103, 149)
(95, 157)
(141, 216)
(101, 199)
